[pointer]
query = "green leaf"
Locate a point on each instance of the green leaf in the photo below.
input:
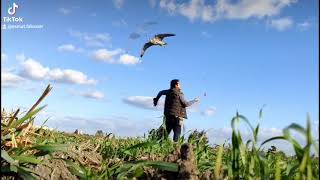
(138, 172)
(303, 163)
(140, 145)
(278, 171)
(255, 134)
(27, 159)
(25, 173)
(13, 168)
(272, 139)
(8, 158)
(76, 169)
(166, 166)
(260, 112)
(51, 148)
(296, 127)
(27, 116)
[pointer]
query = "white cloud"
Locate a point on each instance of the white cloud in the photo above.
(100, 37)
(66, 47)
(144, 102)
(210, 111)
(153, 3)
(4, 57)
(69, 76)
(115, 57)
(118, 3)
(194, 9)
(225, 9)
(34, 70)
(127, 59)
(168, 5)
(245, 9)
(93, 95)
(220, 135)
(118, 125)
(20, 57)
(206, 34)
(106, 55)
(304, 25)
(9, 79)
(69, 48)
(281, 24)
(91, 39)
(64, 11)
(119, 23)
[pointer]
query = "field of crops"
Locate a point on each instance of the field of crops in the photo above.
(37, 153)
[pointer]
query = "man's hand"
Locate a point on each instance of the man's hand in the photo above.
(196, 99)
(155, 101)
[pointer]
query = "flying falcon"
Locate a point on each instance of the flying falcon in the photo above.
(157, 40)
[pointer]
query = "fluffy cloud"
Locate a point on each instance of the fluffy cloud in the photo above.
(281, 24)
(20, 57)
(142, 29)
(144, 102)
(68, 48)
(69, 76)
(127, 59)
(34, 70)
(225, 9)
(206, 34)
(9, 79)
(4, 57)
(210, 111)
(194, 9)
(153, 3)
(64, 11)
(115, 57)
(91, 39)
(119, 125)
(106, 55)
(169, 5)
(120, 23)
(93, 95)
(118, 3)
(304, 25)
(220, 135)
(245, 9)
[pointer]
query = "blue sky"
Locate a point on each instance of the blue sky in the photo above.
(242, 54)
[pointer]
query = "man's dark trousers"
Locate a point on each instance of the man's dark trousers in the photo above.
(173, 123)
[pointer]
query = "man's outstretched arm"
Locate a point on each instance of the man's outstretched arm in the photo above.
(187, 103)
(156, 99)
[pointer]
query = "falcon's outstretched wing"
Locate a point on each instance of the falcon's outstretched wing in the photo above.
(145, 47)
(161, 36)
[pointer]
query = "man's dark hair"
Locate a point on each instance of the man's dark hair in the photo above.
(173, 83)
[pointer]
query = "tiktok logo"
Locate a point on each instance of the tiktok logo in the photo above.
(12, 10)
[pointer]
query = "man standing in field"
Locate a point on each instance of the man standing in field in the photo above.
(174, 108)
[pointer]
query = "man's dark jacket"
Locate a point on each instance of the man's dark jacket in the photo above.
(174, 105)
